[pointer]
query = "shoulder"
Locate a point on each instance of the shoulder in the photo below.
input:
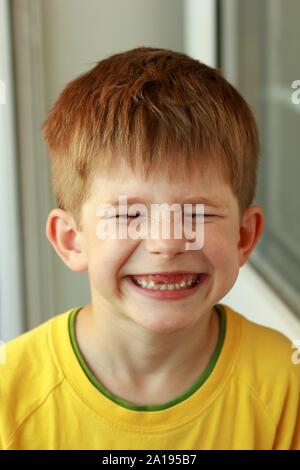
(261, 345)
(265, 363)
(28, 374)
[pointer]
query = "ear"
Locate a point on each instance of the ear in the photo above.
(250, 231)
(62, 233)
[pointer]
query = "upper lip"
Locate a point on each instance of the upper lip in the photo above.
(166, 273)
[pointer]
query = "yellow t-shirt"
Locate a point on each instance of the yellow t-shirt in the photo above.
(247, 398)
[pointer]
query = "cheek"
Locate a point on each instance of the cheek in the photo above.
(106, 259)
(220, 248)
(222, 258)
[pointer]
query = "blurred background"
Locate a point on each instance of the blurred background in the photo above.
(46, 43)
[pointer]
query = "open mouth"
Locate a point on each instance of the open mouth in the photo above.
(167, 282)
(156, 287)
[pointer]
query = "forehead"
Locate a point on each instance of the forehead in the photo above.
(205, 185)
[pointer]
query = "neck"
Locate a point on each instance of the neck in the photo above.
(124, 356)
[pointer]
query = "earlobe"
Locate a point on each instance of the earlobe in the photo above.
(250, 232)
(63, 236)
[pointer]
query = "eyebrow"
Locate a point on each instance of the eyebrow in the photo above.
(192, 200)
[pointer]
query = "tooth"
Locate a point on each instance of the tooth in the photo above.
(159, 286)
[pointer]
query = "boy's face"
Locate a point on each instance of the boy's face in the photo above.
(109, 262)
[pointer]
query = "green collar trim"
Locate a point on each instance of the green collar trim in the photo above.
(199, 382)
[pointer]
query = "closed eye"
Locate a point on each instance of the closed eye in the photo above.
(138, 215)
(127, 215)
(205, 215)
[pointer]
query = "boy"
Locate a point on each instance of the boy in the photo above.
(154, 362)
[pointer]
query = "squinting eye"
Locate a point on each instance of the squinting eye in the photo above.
(127, 216)
(205, 215)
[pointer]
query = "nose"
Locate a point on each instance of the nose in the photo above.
(165, 248)
(164, 243)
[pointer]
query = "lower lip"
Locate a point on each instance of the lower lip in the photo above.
(167, 294)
